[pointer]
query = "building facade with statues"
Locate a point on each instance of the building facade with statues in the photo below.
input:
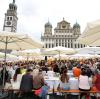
(64, 35)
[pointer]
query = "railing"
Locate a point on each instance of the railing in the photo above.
(15, 94)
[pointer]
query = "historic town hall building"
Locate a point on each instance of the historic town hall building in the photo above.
(64, 35)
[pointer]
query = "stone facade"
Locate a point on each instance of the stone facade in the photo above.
(64, 35)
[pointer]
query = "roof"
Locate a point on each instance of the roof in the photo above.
(48, 24)
(76, 25)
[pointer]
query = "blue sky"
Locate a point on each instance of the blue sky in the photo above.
(33, 14)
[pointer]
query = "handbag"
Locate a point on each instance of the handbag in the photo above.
(38, 91)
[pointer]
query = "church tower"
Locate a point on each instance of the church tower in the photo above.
(10, 21)
(48, 29)
(76, 29)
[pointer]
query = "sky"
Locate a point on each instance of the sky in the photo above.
(33, 14)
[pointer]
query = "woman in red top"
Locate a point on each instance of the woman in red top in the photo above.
(96, 79)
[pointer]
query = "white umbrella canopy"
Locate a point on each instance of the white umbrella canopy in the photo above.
(82, 56)
(16, 41)
(91, 34)
(59, 50)
(89, 50)
(9, 57)
(62, 56)
(29, 53)
(2, 55)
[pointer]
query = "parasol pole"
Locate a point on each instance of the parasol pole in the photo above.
(4, 67)
(27, 56)
(59, 55)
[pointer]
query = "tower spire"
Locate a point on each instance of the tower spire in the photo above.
(13, 1)
(48, 20)
(76, 20)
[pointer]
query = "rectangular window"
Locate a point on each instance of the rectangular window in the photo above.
(75, 46)
(65, 45)
(68, 45)
(7, 18)
(46, 45)
(10, 18)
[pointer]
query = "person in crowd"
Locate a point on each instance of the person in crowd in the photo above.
(89, 72)
(16, 79)
(16, 75)
(10, 70)
(23, 69)
(64, 81)
(77, 70)
(56, 68)
(38, 80)
(5, 76)
(26, 85)
(96, 79)
(40, 85)
(35, 71)
(84, 83)
(74, 85)
(45, 68)
(62, 69)
(50, 72)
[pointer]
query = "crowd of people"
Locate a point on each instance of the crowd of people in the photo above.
(29, 75)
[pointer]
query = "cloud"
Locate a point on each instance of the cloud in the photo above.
(33, 14)
(31, 25)
(27, 8)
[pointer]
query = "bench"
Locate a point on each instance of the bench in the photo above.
(73, 91)
(66, 92)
